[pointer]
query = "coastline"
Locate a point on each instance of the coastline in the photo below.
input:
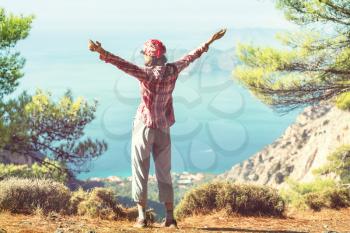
(182, 180)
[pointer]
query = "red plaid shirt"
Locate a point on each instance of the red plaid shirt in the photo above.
(157, 85)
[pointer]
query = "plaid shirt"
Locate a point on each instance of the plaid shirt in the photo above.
(157, 85)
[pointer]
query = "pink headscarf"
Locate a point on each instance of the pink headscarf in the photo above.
(154, 48)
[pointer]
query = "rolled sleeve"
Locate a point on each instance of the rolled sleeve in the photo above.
(186, 60)
(127, 67)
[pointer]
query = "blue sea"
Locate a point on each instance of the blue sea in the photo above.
(218, 122)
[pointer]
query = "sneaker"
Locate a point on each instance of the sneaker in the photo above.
(169, 223)
(140, 223)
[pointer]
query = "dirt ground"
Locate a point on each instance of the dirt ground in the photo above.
(308, 221)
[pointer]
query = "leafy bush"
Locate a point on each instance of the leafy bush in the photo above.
(77, 197)
(323, 192)
(343, 101)
(331, 198)
(318, 194)
(337, 198)
(294, 193)
(49, 171)
(244, 199)
(338, 163)
(25, 195)
(314, 201)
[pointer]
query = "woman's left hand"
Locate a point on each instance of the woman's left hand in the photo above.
(216, 36)
(95, 46)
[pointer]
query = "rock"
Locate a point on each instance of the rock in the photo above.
(304, 146)
(279, 177)
(2, 230)
(254, 177)
(59, 230)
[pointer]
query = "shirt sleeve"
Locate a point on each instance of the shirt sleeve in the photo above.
(127, 67)
(186, 60)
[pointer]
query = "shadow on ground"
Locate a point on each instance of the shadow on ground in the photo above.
(235, 229)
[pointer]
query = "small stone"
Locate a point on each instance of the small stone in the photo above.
(91, 231)
(25, 222)
(59, 230)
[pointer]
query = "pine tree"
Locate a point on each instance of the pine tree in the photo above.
(12, 29)
(36, 123)
(313, 64)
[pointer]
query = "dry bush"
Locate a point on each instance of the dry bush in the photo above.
(23, 195)
(99, 202)
(245, 199)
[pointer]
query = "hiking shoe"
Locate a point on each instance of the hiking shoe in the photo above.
(169, 223)
(140, 223)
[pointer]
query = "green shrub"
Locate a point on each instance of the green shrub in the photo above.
(243, 199)
(319, 184)
(338, 163)
(343, 101)
(314, 201)
(19, 195)
(317, 194)
(294, 193)
(337, 198)
(331, 198)
(34, 171)
(99, 202)
(77, 197)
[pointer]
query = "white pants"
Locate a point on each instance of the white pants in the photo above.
(144, 141)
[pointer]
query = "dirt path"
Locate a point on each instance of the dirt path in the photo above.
(295, 222)
(338, 221)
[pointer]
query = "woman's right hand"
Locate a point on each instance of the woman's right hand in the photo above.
(95, 46)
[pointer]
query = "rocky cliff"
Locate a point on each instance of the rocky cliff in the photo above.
(304, 146)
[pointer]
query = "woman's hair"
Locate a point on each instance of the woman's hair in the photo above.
(154, 61)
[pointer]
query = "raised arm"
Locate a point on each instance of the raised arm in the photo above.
(186, 60)
(117, 61)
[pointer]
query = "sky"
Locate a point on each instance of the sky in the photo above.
(100, 15)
